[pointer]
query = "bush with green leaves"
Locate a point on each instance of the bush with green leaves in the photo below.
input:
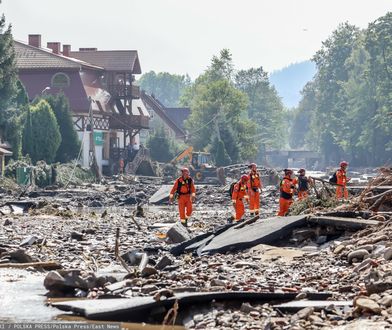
(41, 135)
(70, 144)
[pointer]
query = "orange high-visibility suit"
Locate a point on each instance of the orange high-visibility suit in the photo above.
(286, 195)
(341, 190)
(254, 189)
(186, 191)
(237, 197)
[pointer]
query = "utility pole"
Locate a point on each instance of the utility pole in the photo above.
(92, 155)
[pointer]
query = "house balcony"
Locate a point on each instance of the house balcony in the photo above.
(128, 122)
(124, 91)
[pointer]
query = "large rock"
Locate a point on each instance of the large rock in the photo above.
(178, 233)
(357, 255)
(68, 280)
(367, 305)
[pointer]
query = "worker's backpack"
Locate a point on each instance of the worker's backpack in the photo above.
(231, 189)
(333, 179)
(179, 185)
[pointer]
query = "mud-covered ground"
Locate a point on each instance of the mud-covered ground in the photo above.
(76, 227)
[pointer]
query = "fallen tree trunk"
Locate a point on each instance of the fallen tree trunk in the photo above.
(376, 197)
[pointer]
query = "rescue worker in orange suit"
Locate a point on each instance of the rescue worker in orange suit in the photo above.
(303, 184)
(287, 187)
(239, 195)
(254, 189)
(185, 189)
(341, 189)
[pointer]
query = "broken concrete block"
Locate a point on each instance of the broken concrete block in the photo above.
(163, 262)
(178, 233)
(30, 240)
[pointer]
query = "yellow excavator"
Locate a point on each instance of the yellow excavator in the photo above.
(199, 164)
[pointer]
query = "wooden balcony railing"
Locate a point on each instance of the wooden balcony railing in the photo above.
(124, 91)
(119, 121)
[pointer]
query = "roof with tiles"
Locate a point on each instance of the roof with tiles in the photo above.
(111, 60)
(29, 57)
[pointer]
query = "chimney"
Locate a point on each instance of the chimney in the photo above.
(66, 50)
(35, 40)
(88, 49)
(55, 47)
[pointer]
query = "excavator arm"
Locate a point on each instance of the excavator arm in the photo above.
(187, 152)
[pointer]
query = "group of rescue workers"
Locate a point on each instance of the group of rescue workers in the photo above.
(249, 187)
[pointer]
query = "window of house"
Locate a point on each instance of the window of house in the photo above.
(60, 80)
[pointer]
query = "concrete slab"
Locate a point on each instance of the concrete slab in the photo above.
(161, 195)
(139, 308)
(349, 223)
(297, 305)
(269, 253)
(264, 231)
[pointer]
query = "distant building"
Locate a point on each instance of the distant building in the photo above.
(5, 151)
(92, 80)
(172, 119)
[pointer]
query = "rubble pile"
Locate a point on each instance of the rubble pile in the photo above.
(105, 241)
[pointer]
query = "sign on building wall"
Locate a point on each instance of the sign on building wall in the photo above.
(98, 138)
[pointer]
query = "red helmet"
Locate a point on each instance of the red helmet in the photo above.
(343, 163)
(251, 165)
(301, 170)
(244, 177)
(288, 171)
(185, 169)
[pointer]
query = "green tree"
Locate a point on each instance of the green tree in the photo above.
(9, 111)
(329, 122)
(161, 146)
(222, 158)
(302, 117)
(70, 144)
(265, 109)
(215, 101)
(45, 133)
(166, 87)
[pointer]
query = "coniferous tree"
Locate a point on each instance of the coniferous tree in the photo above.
(70, 144)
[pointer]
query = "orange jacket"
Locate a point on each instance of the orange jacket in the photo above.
(239, 191)
(341, 176)
(254, 180)
(287, 188)
(183, 187)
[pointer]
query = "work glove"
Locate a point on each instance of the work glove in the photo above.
(193, 198)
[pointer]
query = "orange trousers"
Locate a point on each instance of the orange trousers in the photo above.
(341, 192)
(185, 207)
(302, 195)
(254, 202)
(284, 205)
(239, 209)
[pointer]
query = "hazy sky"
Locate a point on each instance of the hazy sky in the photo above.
(181, 36)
